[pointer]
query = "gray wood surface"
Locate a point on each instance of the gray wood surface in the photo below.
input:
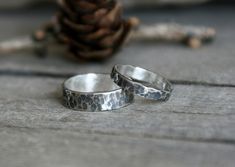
(193, 112)
(37, 147)
(196, 127)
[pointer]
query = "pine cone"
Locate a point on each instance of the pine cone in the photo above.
(93, 29)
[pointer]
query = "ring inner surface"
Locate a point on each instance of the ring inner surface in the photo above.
(142, 76)
(91, 83)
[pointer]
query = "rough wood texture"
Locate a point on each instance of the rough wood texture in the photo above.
(193, 112)
(196, 127)
(50, 148)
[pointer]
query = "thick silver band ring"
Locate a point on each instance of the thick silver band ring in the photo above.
(95, 92)
(144, 82)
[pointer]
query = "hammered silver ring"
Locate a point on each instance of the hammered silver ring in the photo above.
(95, 92)
(145, 83)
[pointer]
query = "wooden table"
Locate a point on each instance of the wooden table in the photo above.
(196, 127)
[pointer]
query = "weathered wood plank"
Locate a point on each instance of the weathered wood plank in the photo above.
(193, 112)
(213, 63)
(49, 148)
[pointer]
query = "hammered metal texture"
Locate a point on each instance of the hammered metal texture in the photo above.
(106, 101)
(140, 89)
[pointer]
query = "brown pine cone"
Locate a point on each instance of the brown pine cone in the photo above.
(93, 29)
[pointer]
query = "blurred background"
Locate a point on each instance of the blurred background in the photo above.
(14, 12)
(11, 4)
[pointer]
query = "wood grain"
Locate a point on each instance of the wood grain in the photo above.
(195, 113)
(49, 148)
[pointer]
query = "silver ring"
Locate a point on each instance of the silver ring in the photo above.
(95, 92)
(144, 82)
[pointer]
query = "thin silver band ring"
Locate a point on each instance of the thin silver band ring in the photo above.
(145, 83)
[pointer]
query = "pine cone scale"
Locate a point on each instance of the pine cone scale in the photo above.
(96, 35)
(78, 28)
(85, 5)
(95, 54)
(92, 18)
(112, 17)
(111, 40)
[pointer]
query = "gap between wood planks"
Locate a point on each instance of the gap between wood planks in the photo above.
(67, 75)
(135, 135)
